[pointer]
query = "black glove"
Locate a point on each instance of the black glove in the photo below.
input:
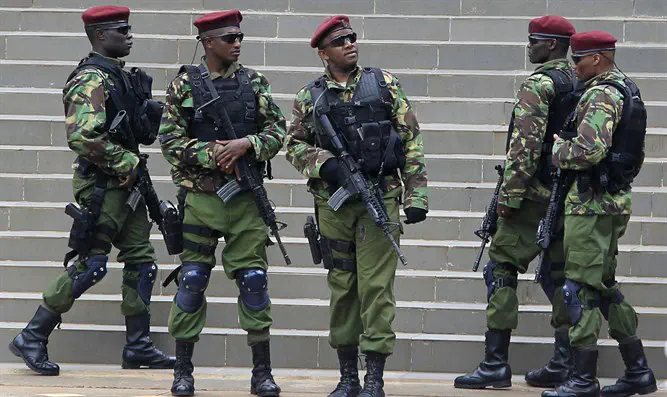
(329, 171)
(414, 215)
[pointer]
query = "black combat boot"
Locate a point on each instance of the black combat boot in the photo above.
(557, 369)
(583, 381)
(262, 383)
(373, 381)
(349, 385)
(638, 378)
(31, 343)
(494, 371)
(140, 350)
(184, 382)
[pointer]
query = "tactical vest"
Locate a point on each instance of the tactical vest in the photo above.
(131, 92)
(364, 123)
(626, 155)
(563, 104)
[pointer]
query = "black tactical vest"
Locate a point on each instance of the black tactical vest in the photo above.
(131, 92)
(237, 96)
(563, 104)
(364, 123)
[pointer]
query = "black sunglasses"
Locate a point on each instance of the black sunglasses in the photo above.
(229, 38)
(340, 40)
(577, 58)
(124, 30)
(536, 39)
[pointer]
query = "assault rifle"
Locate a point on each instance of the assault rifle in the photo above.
(356, 183)
(249, 176)
(490, 220)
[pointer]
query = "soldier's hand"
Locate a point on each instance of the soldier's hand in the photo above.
(414, 215)
(231, 151)
(128, 181)
(218, 151)
(503, 210)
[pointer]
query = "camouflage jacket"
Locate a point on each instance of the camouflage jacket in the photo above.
(307, 157)
(598, 114)
(193, 163)
(84, 97)
(531, 114)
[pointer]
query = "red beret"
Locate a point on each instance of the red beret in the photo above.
(594, 41)
(330, 24)
(105, 15)
(217, 20)
(551, 26)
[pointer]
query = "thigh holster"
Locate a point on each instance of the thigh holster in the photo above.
(202, 231)
(330, 262)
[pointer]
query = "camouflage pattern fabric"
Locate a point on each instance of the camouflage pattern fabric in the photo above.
(193, 165)
(306, 157)
(597, 116)
(85, 116)
(531, 114)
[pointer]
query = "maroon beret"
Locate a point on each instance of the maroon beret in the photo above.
(99, 15)
(551, 26)
(217, 20)
(593, 41)
(331, 24)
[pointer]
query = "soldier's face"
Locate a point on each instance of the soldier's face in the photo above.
(225, 43)
(118, 41)
(586, 66)
(340, 49)
(538, 49)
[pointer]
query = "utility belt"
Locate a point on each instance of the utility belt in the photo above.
(321, 248)
(611, 175)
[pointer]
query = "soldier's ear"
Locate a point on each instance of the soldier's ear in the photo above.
(99, 35)
(323, 55)
(596, 59)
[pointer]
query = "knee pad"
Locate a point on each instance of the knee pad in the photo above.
(494, 282)
(147, 276)
(573, 304)
(253, 288)
(549, 284)
(95, 271)
(614, 296)
(192, 282)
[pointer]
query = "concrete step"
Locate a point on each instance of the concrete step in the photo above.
(309, 349)
(384, 27)
(621, 8)
(440, 54)
(313, 314)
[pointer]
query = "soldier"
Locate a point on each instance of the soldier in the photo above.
(543, 102)
(204, 159)
(106, 167)
(360, 259)
(603, 154)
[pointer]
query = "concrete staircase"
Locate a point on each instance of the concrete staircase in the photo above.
(460, 61)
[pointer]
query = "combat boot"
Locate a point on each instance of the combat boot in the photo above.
(583, 381)
(373, 381)
(557, 369)
(349, 385)
(638, 378)
(140, 350)
(184, 382)
(262, 383)
(494, 371)
(31, 343)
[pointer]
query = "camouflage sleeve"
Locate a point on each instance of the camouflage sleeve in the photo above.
(177, 147)
(301, 149)
(270, 139)
(598, 116)
(405, 121)
(85, 116)
(531, 114)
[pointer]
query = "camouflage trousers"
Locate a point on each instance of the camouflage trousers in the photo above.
(126, 230)
(246, 238)
(591, 246)
(362, 306)
(513, 247)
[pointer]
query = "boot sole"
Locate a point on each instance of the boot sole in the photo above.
(182, 394)
(15, 350)
(272, 394)
(496, 385)
(643, 391)
(545, 385)
(129, 365)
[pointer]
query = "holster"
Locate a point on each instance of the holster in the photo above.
(172, 228)
(313, 235)
(81, 233)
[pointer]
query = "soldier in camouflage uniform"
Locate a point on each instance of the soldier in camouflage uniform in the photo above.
(106, 166)
(604, 155)
(543, 103)
(203, 160)
(363, 263)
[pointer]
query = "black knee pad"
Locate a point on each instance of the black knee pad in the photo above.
(147, 276)
(493, 282)
(573, 304)
(192, 282)
(253, 288)
(82, 281)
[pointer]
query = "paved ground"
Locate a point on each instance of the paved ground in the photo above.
(107, 381)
